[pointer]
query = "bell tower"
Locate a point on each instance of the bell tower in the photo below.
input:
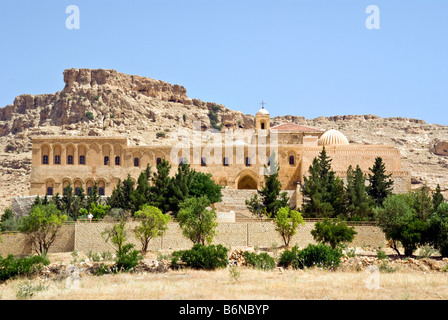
(262, 119)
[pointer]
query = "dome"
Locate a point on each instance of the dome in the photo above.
(332, 137)
(263, 111)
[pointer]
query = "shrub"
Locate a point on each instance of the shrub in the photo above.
(290, 258)
(27, 290)
(313, 255)
(381, 255)
(127, 258)
(11, 267)
(202, 257)
(89, 115)
(332, 232)
(261, 261)
(160, 134)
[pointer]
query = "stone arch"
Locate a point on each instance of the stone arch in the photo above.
(77, 183)
(82, 154)
(49, 186)
(57, 154)
(247, 180)
(101, 187)
(45, 154)
(223, 182)
(70, 154)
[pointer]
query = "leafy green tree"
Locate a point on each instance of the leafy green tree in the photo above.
(422, 203)
(153, 224)
(359, 203)
(42, 226)
(98, 211)
(9, 222)
(437, 198)
(438, 229)
(117, 235)
(197, 222)
(400, 222)
(187, 183)
(270, 198)
(333, 232)
(287, 222)
(380, 183)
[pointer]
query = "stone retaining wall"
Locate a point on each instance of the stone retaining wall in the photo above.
(85, 237)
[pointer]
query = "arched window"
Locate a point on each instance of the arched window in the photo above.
(70, 159)
(45, 154)
(136, 162)
(57, 155)
(117, 160)
(203, 162)
(106, 160)
(49, 191)
(262, 126)
(159, 160)
(225, 162)
(292, 160)
(101, 188)
(45, 159)
(101, 191)
(77, 191)
(82, 160)
(247, 161)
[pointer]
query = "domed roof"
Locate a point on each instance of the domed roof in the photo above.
(332, 137)
(262, 111)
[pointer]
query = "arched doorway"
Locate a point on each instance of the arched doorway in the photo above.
(247, 182)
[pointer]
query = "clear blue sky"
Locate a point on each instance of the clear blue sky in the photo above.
(302, 57)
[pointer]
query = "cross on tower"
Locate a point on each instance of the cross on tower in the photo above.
(262, 104)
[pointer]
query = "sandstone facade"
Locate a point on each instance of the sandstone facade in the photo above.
(237, 163)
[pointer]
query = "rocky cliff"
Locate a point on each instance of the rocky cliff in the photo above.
(106, 102)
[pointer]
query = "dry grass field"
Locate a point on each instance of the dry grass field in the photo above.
(249, 284)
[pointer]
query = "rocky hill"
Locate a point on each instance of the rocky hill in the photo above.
(106, 102)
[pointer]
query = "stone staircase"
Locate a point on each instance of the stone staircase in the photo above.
(235, 200)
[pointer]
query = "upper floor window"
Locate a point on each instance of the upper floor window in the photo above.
(57, 159)
(70, 160)
(117, 161)
(292, 160)
(45, 159)
(106, 160)
(225, 162)
(247, 162)
(203, 162)
(136, 162)
(82, 159)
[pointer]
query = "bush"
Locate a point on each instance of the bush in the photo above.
(314, 255)
(11, 267)
(261, 261)
(161, 134)
(89, 115)
(127, 258)
(334, 233)
(202, 257)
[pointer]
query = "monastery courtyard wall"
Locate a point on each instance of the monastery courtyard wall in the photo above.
(85, 237)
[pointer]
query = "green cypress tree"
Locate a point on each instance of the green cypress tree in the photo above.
(437, 198)
(323, 192)
(161, 184)
(380, 184)
(359, 203)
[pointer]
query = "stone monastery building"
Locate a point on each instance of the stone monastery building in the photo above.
(80, 161)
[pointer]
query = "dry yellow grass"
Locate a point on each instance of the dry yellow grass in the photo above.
(251, 285)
